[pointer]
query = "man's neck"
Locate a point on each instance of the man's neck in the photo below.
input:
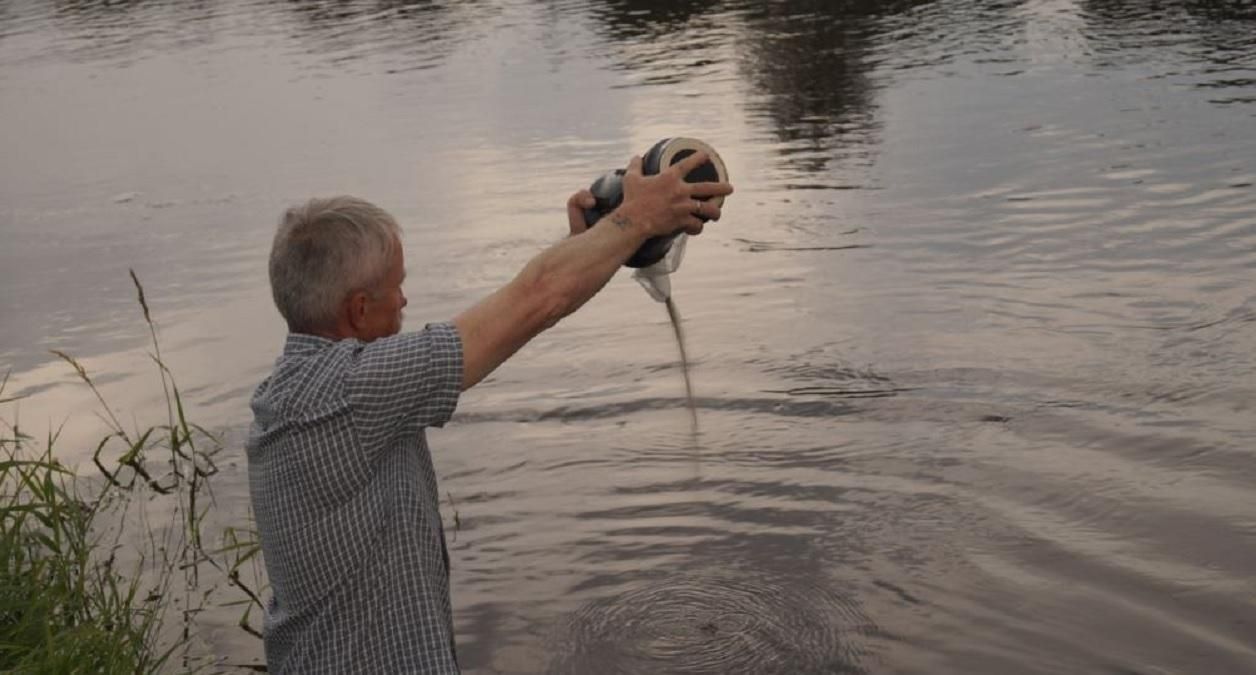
(334, 334)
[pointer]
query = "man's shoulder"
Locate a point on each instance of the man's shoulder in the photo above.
(311, 375)
(404, 355)
(396, 374)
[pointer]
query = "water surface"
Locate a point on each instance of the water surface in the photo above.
(972, 348)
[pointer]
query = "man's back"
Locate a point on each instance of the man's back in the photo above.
(347, 504)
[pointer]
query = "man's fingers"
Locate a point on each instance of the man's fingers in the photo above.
(697, 159)
(705, 211)
(576, 204)
(582, 199)
(710, 189)
(634, 165)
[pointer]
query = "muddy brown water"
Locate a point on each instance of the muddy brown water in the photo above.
(973, 345)
(678, 328)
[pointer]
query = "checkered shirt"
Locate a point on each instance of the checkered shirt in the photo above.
(347, 506)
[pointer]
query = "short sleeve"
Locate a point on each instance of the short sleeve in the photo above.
(406, 378)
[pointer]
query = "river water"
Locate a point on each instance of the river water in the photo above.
(972, 348)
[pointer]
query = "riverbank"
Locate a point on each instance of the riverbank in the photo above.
(88, 581)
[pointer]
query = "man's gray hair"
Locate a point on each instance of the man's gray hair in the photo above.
(325, 250)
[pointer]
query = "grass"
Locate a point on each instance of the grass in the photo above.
(89, 583)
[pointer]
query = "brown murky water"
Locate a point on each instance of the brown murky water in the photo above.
(973, 343)
(678, 327)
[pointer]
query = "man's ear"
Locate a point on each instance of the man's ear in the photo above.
(355, 308)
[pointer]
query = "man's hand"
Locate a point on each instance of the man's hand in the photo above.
(564, 276)
(575, 211)
(664, 203)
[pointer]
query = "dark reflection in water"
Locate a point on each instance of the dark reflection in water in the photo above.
(123, 29)
(635, 21)
(662, 43)
(806, 63)
(408, 34)
(810, 65)
(7, 25)
(1219, 34)
(1217, 12)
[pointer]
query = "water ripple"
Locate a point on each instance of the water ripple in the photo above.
(717, 623)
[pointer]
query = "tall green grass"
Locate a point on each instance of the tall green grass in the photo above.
(90, 581)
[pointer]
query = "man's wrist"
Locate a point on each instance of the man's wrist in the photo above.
(630, 220)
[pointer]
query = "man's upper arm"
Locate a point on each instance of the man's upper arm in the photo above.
(405, 377)
(499, 325)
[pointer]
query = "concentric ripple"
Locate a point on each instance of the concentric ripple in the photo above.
(716, 624)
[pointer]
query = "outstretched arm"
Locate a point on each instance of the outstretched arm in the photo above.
(566, 275)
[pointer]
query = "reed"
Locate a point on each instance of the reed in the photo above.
(90, 582)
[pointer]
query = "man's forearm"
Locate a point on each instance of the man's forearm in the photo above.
(572, 271)
(552, 285)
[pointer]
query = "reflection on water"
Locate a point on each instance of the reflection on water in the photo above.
(1216, 35)
(972, 347)
(812, 69)
(415, 34)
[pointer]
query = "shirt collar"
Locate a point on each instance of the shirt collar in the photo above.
(301, 344)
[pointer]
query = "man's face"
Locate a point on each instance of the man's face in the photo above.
(385, 302)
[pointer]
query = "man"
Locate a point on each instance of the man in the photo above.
(339, 470)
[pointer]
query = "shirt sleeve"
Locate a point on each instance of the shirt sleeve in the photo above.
(406, 378)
